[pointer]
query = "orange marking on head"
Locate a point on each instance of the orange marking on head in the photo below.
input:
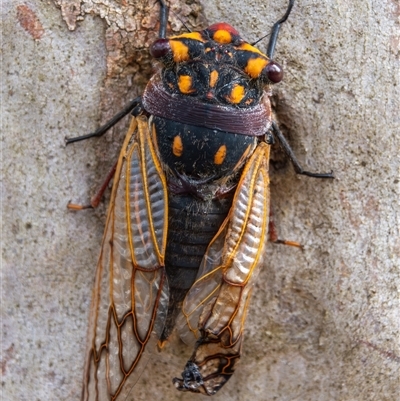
(223, 26)
(237, 94)
(190, 35)
(185, 84)
(248, 47)
(213, 78)
(177, 146)
(222, 36)
(255, 66)
(179, 50)
(219, 157)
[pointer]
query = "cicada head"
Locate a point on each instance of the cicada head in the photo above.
(215, 65)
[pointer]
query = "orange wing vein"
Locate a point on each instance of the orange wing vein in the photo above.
(130, 296)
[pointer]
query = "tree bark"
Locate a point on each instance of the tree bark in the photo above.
(324, 321)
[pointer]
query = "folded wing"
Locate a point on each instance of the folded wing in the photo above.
(130, 296)
(215, 308)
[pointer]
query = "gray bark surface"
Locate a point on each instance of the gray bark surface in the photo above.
(324, 321)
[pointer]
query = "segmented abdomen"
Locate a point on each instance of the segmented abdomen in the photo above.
(192, 224)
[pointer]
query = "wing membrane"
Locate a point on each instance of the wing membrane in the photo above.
(215, 307)
(130, 297)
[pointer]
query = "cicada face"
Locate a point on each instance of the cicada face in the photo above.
(188, 221)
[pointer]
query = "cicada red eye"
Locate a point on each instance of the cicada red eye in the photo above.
(160, 48)
(274, 72)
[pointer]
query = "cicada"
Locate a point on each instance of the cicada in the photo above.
(188, 220)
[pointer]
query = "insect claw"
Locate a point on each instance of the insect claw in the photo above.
(316, 175)
(290, 243)
(192, 378)
(75, 206)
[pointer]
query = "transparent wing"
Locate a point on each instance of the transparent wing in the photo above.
(130, 296)
(214, 310)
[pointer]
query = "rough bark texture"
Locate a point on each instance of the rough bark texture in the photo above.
(324, 322)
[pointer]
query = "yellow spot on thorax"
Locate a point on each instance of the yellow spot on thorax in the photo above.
(177, 146)
(237, 94)
(213, 78)
(189, 35)
(248, 47)
(185, 84)
(179, 50)
(255, 66)
(219, 157)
